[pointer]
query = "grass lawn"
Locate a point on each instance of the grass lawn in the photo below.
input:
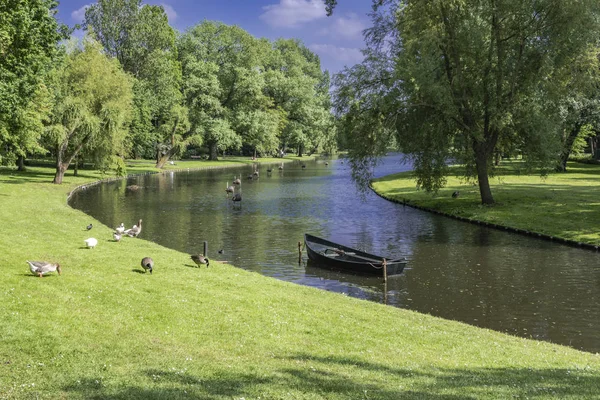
(104, 329)
(565, 205)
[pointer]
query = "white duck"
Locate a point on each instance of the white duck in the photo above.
(91, 242)
(41, 268)
(135, 231)
(120, 229)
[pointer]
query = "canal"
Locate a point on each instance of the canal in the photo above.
(481, 276)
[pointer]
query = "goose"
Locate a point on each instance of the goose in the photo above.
(326, 163)
(147, 264)
(229, 189)
(269, 170)
(255, 173)
(281, 167)
(117, 236)
(455, 194)
(120, 229)
(135, 231)
(41, 268)
(91, 242)
(200, 259)
(250, 177)
(90, 226)
(303, 166)
(236, 180)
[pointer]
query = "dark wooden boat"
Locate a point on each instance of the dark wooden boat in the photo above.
(339, 257)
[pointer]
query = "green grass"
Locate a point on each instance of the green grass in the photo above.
(104, 330)
(565, 205)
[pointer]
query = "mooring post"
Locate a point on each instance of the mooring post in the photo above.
(205, 248)
(384, 270)
(299, 252)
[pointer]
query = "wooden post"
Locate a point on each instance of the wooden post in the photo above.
(205, 248)
(299, 252)
(384, 270)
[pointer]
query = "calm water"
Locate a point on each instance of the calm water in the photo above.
(485, 277)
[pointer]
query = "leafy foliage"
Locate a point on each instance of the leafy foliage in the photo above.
(457, 79)
(92, 103)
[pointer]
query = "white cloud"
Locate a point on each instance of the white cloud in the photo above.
(170, 11)
(293, 13)
(346, 55)
(79, 14)
(349, 27)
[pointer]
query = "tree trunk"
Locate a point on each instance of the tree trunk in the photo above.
(76, 167)
(60, 172)
(21, 163)
(568, 146)
(213, 156)
(481, 163)
(300, 150)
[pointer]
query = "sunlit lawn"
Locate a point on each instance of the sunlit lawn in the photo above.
(104, 329)
(564, 205)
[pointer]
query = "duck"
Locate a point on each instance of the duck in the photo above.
(326, 163)
(117, 236)
(41, 268)
(90, 226)
(269, 170)
(303, 166)
(91, 242)
(135, 231)
(200, 259)
(120, 229)
(147, 264)
(455, 194)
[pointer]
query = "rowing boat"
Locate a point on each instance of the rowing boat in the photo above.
(335, 256)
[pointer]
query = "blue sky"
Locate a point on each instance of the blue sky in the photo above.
(336, 39)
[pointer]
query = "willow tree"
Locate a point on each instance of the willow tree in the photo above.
(458, 77)
(92, 102)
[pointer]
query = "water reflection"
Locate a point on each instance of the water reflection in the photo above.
(485, 277)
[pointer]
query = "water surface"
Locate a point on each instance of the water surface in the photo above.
(485, 277)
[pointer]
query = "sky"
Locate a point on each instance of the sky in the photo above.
(336, 39)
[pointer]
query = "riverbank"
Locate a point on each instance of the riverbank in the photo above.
(104, 329)
(561, 206)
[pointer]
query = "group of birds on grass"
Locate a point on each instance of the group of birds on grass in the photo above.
(41, 268)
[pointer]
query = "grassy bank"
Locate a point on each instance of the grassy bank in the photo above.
(104, 329)
(564, 205)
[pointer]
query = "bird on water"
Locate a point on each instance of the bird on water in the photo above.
(200, 259)
(41, 268)
(147, 264)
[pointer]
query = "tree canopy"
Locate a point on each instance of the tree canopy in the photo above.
(451, 80)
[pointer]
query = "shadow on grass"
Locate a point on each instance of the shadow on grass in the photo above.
(139, 271)
(341, 377)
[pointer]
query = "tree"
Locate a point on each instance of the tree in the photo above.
(92, 103)
(222, 74)
(140, 37)
(29, 34)
(296, 85)
(458, 77)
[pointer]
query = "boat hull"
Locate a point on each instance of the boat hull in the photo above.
(335, 256)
